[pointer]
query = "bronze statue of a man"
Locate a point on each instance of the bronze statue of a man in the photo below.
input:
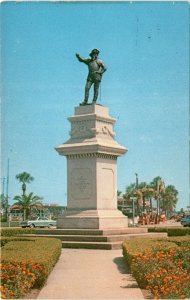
(96, 68)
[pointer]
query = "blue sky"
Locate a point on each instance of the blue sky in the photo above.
(145, 46)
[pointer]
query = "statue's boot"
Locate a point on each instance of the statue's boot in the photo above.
(95, 98)
(84, 102)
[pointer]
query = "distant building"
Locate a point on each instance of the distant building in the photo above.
(49, 210)
(126, 206)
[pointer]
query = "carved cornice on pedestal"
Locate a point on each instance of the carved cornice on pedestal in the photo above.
(91, 133)
(92, 155)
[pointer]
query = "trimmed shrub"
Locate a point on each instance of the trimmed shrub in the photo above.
(180, 240)
(6, 239)
(174, 231)
(161, 266)
(5, 223)
(32, 257)
(15, 231)
(178, 231)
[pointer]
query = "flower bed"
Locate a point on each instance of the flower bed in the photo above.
(161, 266)
(26, 263)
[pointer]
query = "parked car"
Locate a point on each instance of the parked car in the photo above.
(186, 221)
(38, 222)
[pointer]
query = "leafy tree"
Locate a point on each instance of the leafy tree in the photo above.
(158, 186)
(169, 200)
(130, 190)
(24, 178)
(3, 201)
(4, 205)
(26, 202)
(147, 192)
(166, 196)
(119, 193)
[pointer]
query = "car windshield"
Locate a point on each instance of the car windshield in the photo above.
(33, 218)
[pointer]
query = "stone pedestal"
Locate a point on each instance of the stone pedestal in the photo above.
(92, 155)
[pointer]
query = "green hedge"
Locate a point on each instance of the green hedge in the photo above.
(26, 263)
(6, 239)
(15, 231)
(41, 250)
(174, 231)
(11, 224)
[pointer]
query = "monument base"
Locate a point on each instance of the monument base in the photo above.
(92, 219)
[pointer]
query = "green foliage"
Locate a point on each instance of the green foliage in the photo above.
(3, 219)
(3, 201)
(166, 196)
(11, 224)
(32, 257)
(7, 239)
(180, 240)
(174, 231)
(24, 178)
(26, 202)
(15, 231)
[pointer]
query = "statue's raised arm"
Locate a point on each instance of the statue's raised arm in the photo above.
(81, 59)
(96, 68)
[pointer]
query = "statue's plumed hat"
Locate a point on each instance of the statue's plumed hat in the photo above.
(94, 51)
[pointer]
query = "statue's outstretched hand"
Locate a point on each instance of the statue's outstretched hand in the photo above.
(77, 55)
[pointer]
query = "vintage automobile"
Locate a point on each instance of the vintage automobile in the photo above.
(38, 222)
(186, 221)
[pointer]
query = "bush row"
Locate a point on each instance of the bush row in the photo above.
(11, 223)
(161, 266)
(15, 231)
(6, 239)
(26, 263)
(174, 231)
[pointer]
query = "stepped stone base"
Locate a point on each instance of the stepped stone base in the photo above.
(110, 239)
(92, 219)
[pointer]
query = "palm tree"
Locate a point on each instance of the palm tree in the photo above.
(158, 186)
(119, 193)
(147, 193)
(26, 202)
(4, 205)
(169, 200)
(131, 192)
(3, 201)
(24, 177)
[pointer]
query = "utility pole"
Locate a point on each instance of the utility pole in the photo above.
(7, 193)
(137, 186)
(3, 189)
(3, 203)
(137, 181)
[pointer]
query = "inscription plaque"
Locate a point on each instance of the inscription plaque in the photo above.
(81, 179)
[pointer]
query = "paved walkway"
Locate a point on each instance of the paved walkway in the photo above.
(90, 274)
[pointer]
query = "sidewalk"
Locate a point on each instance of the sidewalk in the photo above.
(90, 274)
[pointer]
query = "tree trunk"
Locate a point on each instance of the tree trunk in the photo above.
(24, 214)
